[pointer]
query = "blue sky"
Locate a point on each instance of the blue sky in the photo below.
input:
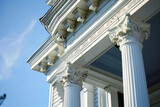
(21, 34)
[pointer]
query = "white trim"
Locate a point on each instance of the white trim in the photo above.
(91, 43)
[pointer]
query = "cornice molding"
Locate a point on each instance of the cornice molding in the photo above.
(67, 17)
(88, 39)
(92, 39)
(102, 32)
(45, 20)
(58, 46)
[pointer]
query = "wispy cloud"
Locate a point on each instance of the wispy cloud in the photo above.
(10, 48)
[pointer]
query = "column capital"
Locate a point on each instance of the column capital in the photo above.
(73, 75)
(129, 30)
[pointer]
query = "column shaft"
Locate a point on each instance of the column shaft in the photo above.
(134, 80)
(111, 97)
(72, 95)
(88, 96)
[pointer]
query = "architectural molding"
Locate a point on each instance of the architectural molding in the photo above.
(83, 30)
(50, 2)
(103, 81)
(93, 77)
(69, 21)
(98, 35)
(88, 39)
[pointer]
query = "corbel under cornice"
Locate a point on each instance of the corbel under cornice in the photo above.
(88, 38)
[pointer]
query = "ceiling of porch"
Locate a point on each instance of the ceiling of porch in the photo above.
(110, 62)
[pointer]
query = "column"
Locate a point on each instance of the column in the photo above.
(111, 97)
(71, 95)
(101, 97)
(88, 95)
(72, 79)
(129, 35)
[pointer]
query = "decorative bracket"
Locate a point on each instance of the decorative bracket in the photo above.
(70, 25)
(50, 60)
(60, 37)
(80, 14)
(43, 67)
(93, 5)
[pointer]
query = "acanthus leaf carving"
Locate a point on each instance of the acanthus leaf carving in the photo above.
(129, 28)
(73, 74)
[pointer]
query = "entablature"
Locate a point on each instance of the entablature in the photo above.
(86, 34)
(91, 77)
(69, 21)
(65, 21)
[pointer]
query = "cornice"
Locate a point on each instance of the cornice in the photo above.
(36, 57)
(115, 15)
(52, 2)
(88, 39)
(48, 42)
(45, 20)
(100, 33)
(55, 13)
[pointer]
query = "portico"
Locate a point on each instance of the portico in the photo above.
(78, 58)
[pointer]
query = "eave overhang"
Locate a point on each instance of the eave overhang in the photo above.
(57, 49)
(45, 56)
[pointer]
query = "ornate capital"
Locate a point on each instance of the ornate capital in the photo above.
(128, 30)
(73, 74)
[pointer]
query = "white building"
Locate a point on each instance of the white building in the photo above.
(92, 44)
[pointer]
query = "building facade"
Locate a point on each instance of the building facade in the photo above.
(101, 53)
